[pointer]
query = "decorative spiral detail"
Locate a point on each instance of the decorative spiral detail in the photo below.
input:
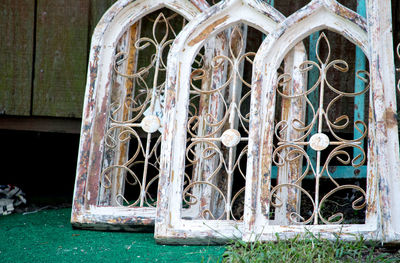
(290, 155)
(132, 141)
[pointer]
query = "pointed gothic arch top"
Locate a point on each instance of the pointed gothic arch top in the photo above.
(317, 15)
(115, 22)
(170, 226)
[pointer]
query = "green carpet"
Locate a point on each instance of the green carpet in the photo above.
(47, 236)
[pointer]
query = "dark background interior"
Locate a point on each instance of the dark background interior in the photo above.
(42, 164)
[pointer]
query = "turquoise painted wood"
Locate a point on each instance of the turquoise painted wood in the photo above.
(337, 172)
(359, 101)
(359, 85)
(313, 97)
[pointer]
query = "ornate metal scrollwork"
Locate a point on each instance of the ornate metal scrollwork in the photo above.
(141, 127)
(327, 140)
(398, 69)
(216, 131)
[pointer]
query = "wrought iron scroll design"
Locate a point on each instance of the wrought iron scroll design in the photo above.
(398, 87)
(141, 127)
(214, 134)
(288, 153)
(398, 69)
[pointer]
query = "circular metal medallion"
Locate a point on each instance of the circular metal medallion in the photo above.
(230, 138)
(319, 141)
(150, 123)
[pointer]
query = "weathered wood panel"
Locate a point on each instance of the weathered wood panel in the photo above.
(86, 211)
(290, 6)
(385, 130)
(172, 224)
(383, 159)
(16, 49)
(40, 124)
(61, 57)
(396, 41)
(97, 9)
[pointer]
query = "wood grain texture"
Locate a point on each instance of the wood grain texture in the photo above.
(317, 15)
(40, 124)
(171, 225)
(61, 57)
(16, 49)
(86, 211)
(97, 9)
(360, 64)
(385, 130)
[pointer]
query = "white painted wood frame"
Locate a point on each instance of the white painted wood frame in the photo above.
(381, 219)
(170, 226)
(118, 30)
(386, 140)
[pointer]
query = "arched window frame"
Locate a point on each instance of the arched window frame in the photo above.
(170, 226)
(383, 161)
(89, 209)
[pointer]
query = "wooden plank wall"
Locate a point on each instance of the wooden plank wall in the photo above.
(44, 54)
(60, 57)
(16, 56)
(97, 9)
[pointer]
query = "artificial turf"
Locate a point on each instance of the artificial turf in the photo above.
(47, 236)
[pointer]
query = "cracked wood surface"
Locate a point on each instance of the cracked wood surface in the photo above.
(315, 16)
(118, 19)
(171, 227)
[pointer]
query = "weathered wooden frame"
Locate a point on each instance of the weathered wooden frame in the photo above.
(385, 132)
(170, 227)
(87, 211)
(383, 157)
(341, 171)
